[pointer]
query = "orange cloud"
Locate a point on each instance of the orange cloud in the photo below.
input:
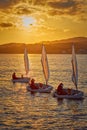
(69, 7)
(11, 10)
(6, 25)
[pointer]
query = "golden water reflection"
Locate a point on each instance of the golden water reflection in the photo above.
(20, 109)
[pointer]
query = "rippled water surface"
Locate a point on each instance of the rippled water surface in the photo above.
(20, 109)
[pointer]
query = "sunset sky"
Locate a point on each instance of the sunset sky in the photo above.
(31, 21)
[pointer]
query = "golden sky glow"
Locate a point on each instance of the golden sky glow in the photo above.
(27, 21)
(30, 21)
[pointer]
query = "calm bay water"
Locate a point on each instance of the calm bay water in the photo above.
(20, 109)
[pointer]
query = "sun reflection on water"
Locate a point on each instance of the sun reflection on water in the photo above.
(20, 109)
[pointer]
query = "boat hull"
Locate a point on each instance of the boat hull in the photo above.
(21, 80)
(43, 89)
(74, 95)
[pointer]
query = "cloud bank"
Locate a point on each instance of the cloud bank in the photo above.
(50, 8)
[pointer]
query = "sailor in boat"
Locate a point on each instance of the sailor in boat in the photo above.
(32, 84)
(40, 85)
(14, 76)
(22, 76)
(60, 90)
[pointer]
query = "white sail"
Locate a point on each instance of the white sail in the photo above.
(44, 62)
(26, 61)
(74, 67)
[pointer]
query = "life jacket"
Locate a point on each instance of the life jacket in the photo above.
(33, 86)
(14, 76)
(59, 89)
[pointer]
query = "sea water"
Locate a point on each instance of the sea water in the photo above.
(21, 110)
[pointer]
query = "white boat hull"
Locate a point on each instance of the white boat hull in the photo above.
(75, 94)
(21, 80)
(43, 89)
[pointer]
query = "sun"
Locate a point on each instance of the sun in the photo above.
(27, 21)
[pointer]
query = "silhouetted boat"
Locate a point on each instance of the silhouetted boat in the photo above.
(43, 88)
(74, 93)
(23, 79)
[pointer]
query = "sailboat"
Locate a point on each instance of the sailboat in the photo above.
(24, 79)
(43, 88)
(72, 93)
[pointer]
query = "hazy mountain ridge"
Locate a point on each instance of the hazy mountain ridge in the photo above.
(52, 47)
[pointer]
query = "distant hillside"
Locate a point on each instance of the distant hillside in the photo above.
(52, 47)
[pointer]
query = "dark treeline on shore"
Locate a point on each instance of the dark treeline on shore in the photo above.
(52, 47)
